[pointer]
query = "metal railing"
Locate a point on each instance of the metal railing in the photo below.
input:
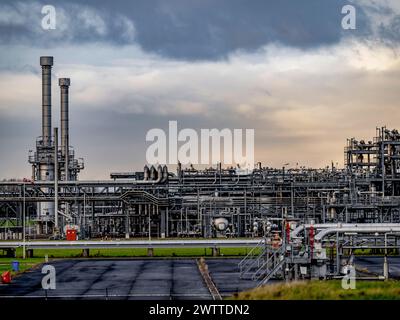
(252, 259)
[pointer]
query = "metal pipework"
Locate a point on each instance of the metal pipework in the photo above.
(146, 173)
(64, 84)
(373, 228)
(321, 226)
(46, 63)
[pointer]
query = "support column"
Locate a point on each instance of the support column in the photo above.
(92, 222)
(56, 231)
(147, 212)
(216, 252)
(127, 227)
(29, 253)
(20, 214)
(163, 228)
(166, 222)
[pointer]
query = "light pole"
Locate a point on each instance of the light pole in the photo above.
(385, 261)
(23, 224)
(84, 214)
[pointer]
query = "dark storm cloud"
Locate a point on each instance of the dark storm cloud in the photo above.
(391, 32)
(216, 28)
(183, 29)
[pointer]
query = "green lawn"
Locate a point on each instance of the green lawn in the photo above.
(139, 252)
(324, 290)
(39, 254)
(5, 263)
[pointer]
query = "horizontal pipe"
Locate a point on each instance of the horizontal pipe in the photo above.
(302, 227)
(370, 229)
(130, 244)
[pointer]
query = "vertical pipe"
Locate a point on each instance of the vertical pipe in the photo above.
(92, 223)
(147, 208)
(46, 63)
(125, 212)
(23, 226)
(64, 84)
(84, 215)
(385, 261)
(166, 223)
(56, 179)
(163, 221)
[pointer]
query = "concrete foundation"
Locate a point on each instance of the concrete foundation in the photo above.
(29, 253)
(216, 252)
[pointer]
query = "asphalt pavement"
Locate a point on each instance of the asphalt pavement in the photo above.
(115, 279)
(165, 279)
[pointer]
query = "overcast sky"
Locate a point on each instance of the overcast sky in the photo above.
(285, 68)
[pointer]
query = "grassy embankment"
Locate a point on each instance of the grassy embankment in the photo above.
(324, 290)
(39, 254)
(138, 252)
(5, 264)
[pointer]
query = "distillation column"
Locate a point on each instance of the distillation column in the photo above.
(46, 63)
(64, 84)
(46, 149)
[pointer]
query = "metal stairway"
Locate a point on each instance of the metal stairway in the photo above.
(277, 262)
(253, 260)
(262, 263)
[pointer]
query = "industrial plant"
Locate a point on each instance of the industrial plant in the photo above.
(308, 221)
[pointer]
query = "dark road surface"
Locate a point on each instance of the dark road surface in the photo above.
(148, 278)
(129, 279)
(225, 274)
(375, 265)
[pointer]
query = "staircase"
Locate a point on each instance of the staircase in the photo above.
(253, 260)
(275, 265)
(262, 263)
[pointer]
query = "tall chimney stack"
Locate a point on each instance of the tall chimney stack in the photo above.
(64, 84)
(46, 63)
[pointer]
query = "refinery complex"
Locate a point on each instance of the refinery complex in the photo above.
(301, 222)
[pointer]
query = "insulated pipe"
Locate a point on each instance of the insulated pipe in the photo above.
(370, 229)
(64, 84)
(341, 225)
(46, 63)
(164, 174)
(316, 226)
(153, 173)
(159, 174)
(146, 173)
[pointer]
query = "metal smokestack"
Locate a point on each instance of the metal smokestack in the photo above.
(46, 63)
(64, 84)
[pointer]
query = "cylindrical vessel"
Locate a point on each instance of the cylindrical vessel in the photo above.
(46, 63)
(46, 168)
(64, 84)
